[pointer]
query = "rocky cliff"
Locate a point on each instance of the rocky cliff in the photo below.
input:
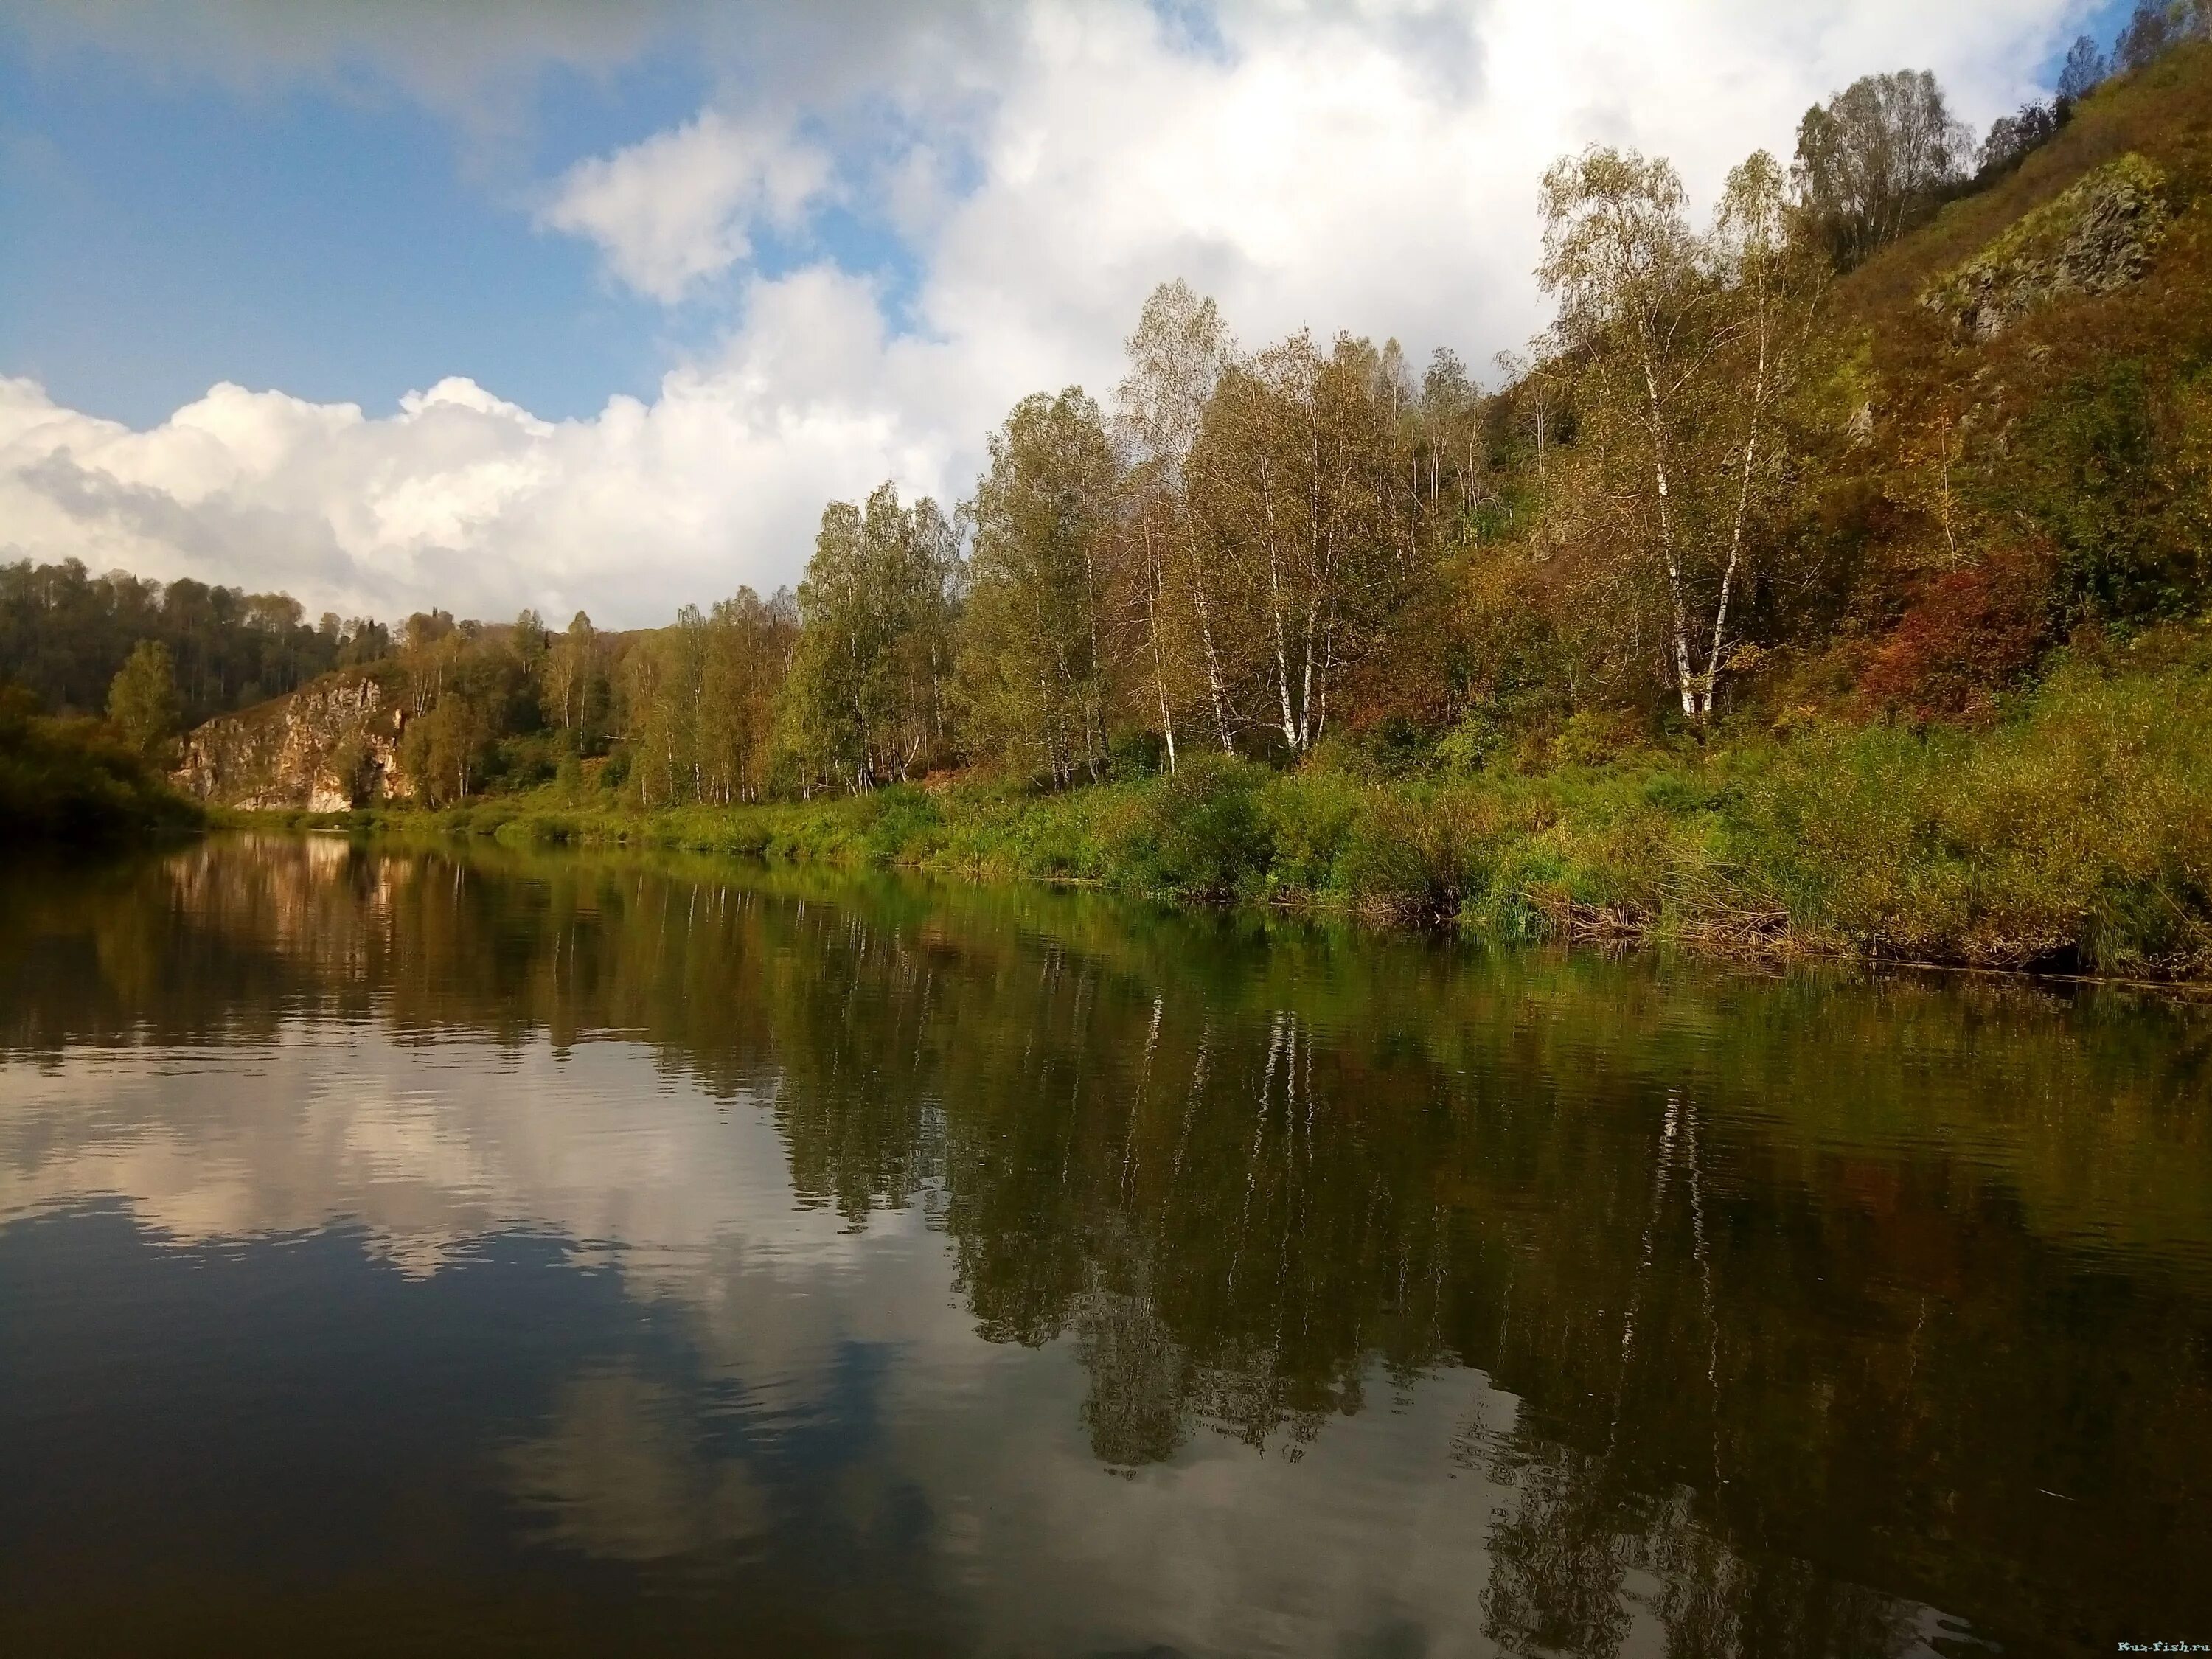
(2096, 237)
(330, 745)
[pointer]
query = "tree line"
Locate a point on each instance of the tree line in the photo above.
(65, 633)
(1675, 504)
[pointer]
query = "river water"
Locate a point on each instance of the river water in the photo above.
(437, 1251)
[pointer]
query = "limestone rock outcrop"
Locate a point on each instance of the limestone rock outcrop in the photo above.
(330, 745)
(2095, 237)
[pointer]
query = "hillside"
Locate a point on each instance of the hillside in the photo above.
(65, 633)
(1906, 657)
(2019, 484)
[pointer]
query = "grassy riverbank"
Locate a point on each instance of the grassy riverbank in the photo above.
(2073, 834)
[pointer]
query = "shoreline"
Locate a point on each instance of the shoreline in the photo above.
(1657, 852)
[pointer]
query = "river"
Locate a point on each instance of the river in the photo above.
(431, 1250)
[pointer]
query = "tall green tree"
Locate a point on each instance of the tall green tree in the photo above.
(2156, 27)
(664, 682)
(65, 633)
(1306, 481)
(1169, 590)
(142, 700)
(866, 700)
(1034, 666)
(442, 752)
(572, 681)
(1876, 157)
(747, 655)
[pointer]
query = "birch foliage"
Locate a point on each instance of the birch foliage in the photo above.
(1682, 348)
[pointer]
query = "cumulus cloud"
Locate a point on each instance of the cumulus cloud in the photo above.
(678, 207)
(1368, 167)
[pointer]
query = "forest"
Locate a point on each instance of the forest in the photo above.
(65, 633)
(1861, 518)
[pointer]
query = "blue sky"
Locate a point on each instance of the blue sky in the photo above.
(798, 250)
(335, 236)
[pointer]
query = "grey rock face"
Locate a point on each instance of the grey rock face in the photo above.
(2098, 236)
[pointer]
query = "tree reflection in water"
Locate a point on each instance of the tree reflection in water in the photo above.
(1803, 1286)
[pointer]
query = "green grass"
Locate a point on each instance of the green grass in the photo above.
(2076, 833)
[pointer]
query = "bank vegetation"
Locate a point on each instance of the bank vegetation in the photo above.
(1831, 573)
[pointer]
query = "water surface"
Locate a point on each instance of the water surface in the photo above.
(409, 1251)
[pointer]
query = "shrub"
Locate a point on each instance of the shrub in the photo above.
(1972, 633)
(1209, 838)
(2096, 468)
(1471, 743)
(72, 781)
(900, 823)
(1591, 737)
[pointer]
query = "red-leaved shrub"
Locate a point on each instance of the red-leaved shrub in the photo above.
(1972, 632)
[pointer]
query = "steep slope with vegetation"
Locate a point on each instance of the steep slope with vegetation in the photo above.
(1832, 574)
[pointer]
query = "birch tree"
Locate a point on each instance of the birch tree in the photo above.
(663, 679)
(1682, 348)
(1767, 292)
(746, 655)
(142, 700)
(866, 700)
(568, 668)
(1309, 495)
(825, 717)
(1176, 357)
(1876, 156)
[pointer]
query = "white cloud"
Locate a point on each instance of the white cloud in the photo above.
(678, 207)
(1367, 167)
(462, 498)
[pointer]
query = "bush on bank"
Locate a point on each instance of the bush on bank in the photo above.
(2074, 834)
(73, 782)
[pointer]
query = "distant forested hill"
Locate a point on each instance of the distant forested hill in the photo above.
(65, 633)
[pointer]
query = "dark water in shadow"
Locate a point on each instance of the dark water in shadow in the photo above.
(406, 1252)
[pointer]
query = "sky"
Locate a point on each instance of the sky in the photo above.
(593, 304)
